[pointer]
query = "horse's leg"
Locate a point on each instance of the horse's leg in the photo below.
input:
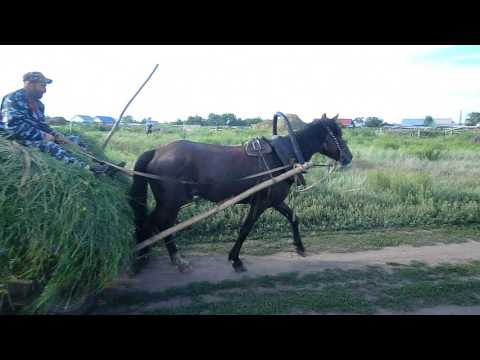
(256, 209)
(283, 209)
(164, 219)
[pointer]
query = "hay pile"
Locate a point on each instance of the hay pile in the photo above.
(60, 226)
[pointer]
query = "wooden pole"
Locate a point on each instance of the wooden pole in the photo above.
(296, 170)
(114, 127)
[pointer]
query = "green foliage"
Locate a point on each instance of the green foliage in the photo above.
(428, 121)
(428, 151)
(373, 122)
(473, 119)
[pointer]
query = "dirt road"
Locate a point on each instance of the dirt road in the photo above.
(160, 274)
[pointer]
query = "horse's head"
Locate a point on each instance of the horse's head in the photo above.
(334, 146)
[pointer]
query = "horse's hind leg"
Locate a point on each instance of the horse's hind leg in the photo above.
(165, 218)
(283, 209)
(256, 209)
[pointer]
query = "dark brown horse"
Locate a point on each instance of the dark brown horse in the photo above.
(205, 170)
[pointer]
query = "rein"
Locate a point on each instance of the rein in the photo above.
(158, 177)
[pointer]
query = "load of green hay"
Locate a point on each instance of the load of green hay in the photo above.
(61, 227)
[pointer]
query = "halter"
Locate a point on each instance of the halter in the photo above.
(340, 149)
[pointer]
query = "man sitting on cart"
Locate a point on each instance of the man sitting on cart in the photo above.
(22, 118)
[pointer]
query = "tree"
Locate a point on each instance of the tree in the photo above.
(428, 121)
(473, 119)
(214, 120)
(194, 120)
(373, 122)
(229, 119)
(127, 119)
(358, 121)
(252, 121)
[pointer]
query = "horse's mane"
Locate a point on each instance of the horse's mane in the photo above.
(317, 128)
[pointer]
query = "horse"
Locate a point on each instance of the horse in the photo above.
(190, 169)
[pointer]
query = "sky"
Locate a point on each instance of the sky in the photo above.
(389, 82)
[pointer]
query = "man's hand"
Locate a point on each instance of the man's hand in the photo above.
(49, 137)
(60, 139)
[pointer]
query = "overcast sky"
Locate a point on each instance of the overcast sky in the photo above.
(390, 82)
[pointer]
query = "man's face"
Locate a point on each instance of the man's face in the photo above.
(35, 89)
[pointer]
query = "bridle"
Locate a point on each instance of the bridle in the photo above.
(340, 148)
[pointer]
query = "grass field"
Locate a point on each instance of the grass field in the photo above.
(396, 183)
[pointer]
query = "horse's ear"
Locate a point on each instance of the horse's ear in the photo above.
(324, 116)
(335, 118)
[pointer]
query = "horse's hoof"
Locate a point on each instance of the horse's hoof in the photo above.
(302, 253)
(139, 264)
(184, 268)
(239, 268)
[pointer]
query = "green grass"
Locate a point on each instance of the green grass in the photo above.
(72, 232)
(357, 291)
(336, 241)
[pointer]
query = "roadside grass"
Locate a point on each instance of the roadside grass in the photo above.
(358, 291)
(261, 244)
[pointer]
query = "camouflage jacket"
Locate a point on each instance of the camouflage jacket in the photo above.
(23, 120)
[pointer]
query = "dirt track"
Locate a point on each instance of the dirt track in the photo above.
(160, 274)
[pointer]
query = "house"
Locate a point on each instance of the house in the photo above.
(413, 122)
(82, 119)
(346, 123)
(104, 120)
(443, 122)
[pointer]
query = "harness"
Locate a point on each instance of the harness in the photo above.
(340, 148)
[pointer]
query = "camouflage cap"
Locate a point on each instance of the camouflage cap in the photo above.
(36, 76)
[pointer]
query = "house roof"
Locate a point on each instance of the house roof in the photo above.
(84, 117)
(444, 121)
(105, 119)
(413, 122)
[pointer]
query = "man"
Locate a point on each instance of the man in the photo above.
(23, 119)
(149, 128)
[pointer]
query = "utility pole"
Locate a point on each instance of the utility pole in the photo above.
(460, 121)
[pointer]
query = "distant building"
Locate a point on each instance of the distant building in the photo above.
(83, 119)
(346, 123)
(443, 122)
(106, 120)
(413, 122)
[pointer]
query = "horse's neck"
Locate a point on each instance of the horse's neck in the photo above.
(310, 141)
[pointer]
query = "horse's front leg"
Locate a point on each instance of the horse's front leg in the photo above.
(283, 209)
(178, 260)
(256, 209)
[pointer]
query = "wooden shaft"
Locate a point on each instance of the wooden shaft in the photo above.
(114, 127)
(296, 170)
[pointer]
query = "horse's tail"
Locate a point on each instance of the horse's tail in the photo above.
(138, 194)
